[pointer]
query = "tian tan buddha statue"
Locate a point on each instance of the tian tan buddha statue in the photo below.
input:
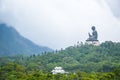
(93, 36)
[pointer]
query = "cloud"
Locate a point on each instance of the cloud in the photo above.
(114, 6)
(59, 23)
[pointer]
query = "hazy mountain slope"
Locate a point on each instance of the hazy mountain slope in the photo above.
(11, 42)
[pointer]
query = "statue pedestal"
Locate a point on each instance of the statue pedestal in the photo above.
(95, 43)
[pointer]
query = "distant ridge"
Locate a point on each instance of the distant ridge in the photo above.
(12, 43)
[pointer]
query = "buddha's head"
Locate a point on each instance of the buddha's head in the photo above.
(93, 28)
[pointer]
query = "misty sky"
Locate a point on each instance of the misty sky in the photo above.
(61, 23)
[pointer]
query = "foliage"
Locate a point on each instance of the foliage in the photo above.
(83, 62)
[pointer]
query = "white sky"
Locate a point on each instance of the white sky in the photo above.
(60, 23)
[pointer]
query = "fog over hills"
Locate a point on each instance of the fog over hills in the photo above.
(12, 43)
(61, 23)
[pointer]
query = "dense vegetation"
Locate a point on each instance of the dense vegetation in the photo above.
(83, 62)
(12, 71)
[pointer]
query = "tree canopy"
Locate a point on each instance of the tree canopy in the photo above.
(83, 62)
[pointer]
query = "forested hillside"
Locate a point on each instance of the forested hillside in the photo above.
(87, 61)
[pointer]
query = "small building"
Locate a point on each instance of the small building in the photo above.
(58, 70)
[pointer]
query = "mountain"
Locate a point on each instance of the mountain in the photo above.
(12, 43)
